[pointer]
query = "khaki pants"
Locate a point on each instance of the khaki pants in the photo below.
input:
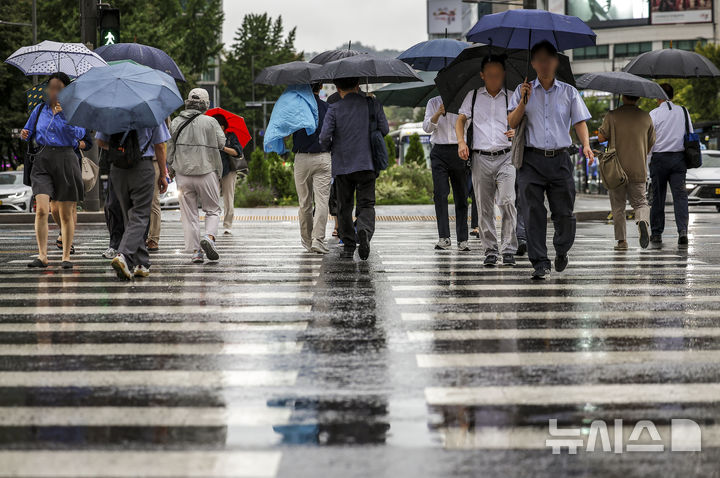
(635, 193)
(227, 185)
(206, 189)
(312, 181)
(155, 211)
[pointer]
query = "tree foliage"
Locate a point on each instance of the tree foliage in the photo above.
(415, 153)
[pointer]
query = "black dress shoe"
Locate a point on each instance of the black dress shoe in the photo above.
(655, 242)
(561, 262)
(522, 248)
(540, 273)
(364, 247)
(37, 263)
(66, 265)
(683, 240)
(644, 234)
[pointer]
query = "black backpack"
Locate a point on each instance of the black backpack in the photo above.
(124, 149)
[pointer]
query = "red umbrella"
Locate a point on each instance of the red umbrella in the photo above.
(236, 124)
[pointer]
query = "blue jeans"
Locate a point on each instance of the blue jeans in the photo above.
(668, 168)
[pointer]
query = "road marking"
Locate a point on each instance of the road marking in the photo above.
(594, 286)
(584, 333)
(143, 416)
(271, 348)
(74, 281)
(154, 309)
(150, 464)
(571, 315)
(539, 359)
(145, 295)
(553, 300)
(478, 263)
(607, 394)
(149, 378)
(45, 277)
(152, 327)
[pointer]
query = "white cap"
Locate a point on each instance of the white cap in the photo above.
(199, 94)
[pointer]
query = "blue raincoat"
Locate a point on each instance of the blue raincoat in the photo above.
(294, 110)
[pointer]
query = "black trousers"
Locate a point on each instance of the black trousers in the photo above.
(355, 190)
(449, 170)
(540, 176)
(113, 216)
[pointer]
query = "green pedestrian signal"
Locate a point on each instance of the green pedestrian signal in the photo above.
(109, 38)
(109, 25)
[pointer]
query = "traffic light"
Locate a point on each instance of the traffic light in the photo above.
(109, 26)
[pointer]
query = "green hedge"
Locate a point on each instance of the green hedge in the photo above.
(407, 184)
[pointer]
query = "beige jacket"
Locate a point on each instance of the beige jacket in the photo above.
(196, 151)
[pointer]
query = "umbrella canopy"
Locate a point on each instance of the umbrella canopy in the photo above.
(369, 68)
(332, 55)
(142, 54)
(236, 124)
(35, 95)
(409, 94)
(525, 28)
(670, 63)
(621, 83)
(120, 98)
(432, 55)
(293, 73)
(463, 74)
(50, 57)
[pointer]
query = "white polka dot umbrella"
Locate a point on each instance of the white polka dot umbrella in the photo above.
(49, 57)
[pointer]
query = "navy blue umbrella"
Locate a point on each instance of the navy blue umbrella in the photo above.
(119, 98)
(525, 28)
(432, 55)
(142, 54)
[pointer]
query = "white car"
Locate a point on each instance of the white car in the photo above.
(14, 195)
(703, 183)
(169, 199)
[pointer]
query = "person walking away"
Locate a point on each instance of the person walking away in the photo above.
(312, 181)
(448, 170)
(56, 174)
(667, 166)
(133, 189)
(194, 159)
(233, 149)
(83, 145)
(346, 133)
(153, 233)
(551, 107)
(113, 213)
(634, 137)
(493, 173)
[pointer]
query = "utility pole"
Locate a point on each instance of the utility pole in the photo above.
(529, 3)
(88, 37)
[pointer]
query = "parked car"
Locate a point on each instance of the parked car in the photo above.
(14, 195)
(703, 184)
(169, 199)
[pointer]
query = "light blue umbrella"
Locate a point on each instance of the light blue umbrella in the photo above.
(120, 98)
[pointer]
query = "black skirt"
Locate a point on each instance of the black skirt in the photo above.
(56, 172)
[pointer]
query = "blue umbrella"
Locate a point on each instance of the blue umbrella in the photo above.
(432, 55)
(525, 28)
(142, 54)
(119, 98)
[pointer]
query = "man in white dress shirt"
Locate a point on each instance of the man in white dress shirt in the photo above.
(447, 169)
(667, 165)
(492, 170)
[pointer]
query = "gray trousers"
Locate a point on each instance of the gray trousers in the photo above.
(312, 181)
(191, 189)
(494, 177)
(134, 191)
(635, 193)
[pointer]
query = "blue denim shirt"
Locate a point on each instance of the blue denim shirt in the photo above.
(53, 130)
(160, 134)
(346, 133)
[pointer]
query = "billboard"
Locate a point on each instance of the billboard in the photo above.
(445, 14)
(681, 11)
(610, 13)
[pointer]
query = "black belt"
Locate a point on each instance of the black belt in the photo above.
(548, 153)
(492, 153)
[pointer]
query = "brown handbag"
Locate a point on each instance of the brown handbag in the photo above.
(611, 172)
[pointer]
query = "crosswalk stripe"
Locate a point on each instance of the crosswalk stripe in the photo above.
(143, 416)
(478, 262)
(585, 333)
(240, 276)
(184, 326)
(216, 285)
(150, 464)
(594, 286)
(149, 378)
(553, 300)
(153, 309)
(272, 348)
(539, 359)
(608, 394)
(574, 314)
(146, 295)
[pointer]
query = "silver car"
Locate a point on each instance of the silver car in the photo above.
(703, 183)
(170, 199)
(14, 195)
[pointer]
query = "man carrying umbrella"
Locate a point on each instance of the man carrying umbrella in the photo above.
(492, 169)
(551, 107)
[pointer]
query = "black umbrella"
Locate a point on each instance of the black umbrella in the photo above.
(293, 73)
(622, 83)
(409, 94)
(463, 74)
(670, 63)
(368, 68)
(332, 55)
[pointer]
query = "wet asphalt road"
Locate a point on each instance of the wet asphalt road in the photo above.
(275, 362)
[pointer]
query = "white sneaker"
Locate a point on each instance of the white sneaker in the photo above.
(228, 232)
(208, 245)
(197, 257)
(319, 247)
(306, 245)
(109, 253)
(443, 244)
(141, 271)
(121, 268)
(463, 246)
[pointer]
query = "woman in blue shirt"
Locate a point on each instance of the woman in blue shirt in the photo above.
(55, 171)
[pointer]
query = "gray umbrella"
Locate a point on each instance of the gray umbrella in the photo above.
(621, 83)
(670, 63)
(293, 73)
(409, 94)
(368, 68)
(332, 55)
